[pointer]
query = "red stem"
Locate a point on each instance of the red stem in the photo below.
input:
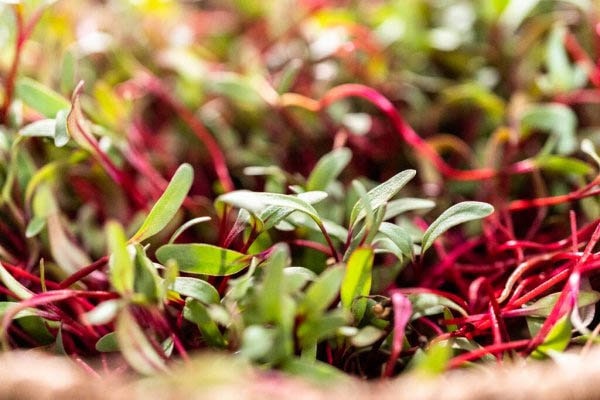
(491, 349)
(402, 312)
(83, 272)
(412, 138)
(312, 245)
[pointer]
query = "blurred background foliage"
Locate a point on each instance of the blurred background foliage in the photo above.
(458, 68)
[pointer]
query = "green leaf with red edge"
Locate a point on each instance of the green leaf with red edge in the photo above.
(168, 204)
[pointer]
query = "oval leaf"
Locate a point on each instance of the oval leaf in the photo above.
(41, 128)
(41, 98)
(455, 215)
(357, 281)
(167, 205)
(196, 288)
(120, 264)
(328, 168)
(107, 343)
(381, 194)
(323, 291)
(202, 258)
(257, 203)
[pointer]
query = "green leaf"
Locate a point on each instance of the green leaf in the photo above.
(120, 264)
(61, 133)
(237, 88)
(196, 289)
(257, 342)
(66, 252)
(314, 330)
(400, 206)
(557, 340)
(316, 371)
(202, 258)
(5, 305)
(555, 118)
(49, 128)
(424, 304)
(107, 343)
(135, 346)
(366, 206)
(196, 312)
(67, 71)
(434, 361)
(543, 307)
(367, 336)
(382, 194)
(271, 295)
(563, 165)
(257, 203)
(41, 98)
(41, 128)
(562, 76)
(322, 292)
(187, 225)
(35, 226)
(147, 282)
(357, 281)
(14, 285)
(328, 169)
(399, 236)
(103, 313)
(588, 147)
(295, 278)
(455, 215)
(167, 205)
(475, 94)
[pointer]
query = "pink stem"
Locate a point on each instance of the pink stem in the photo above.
(402, 312)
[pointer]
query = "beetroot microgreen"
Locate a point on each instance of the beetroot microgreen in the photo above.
(368, 204)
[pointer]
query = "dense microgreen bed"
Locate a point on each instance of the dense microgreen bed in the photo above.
(317, 187)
